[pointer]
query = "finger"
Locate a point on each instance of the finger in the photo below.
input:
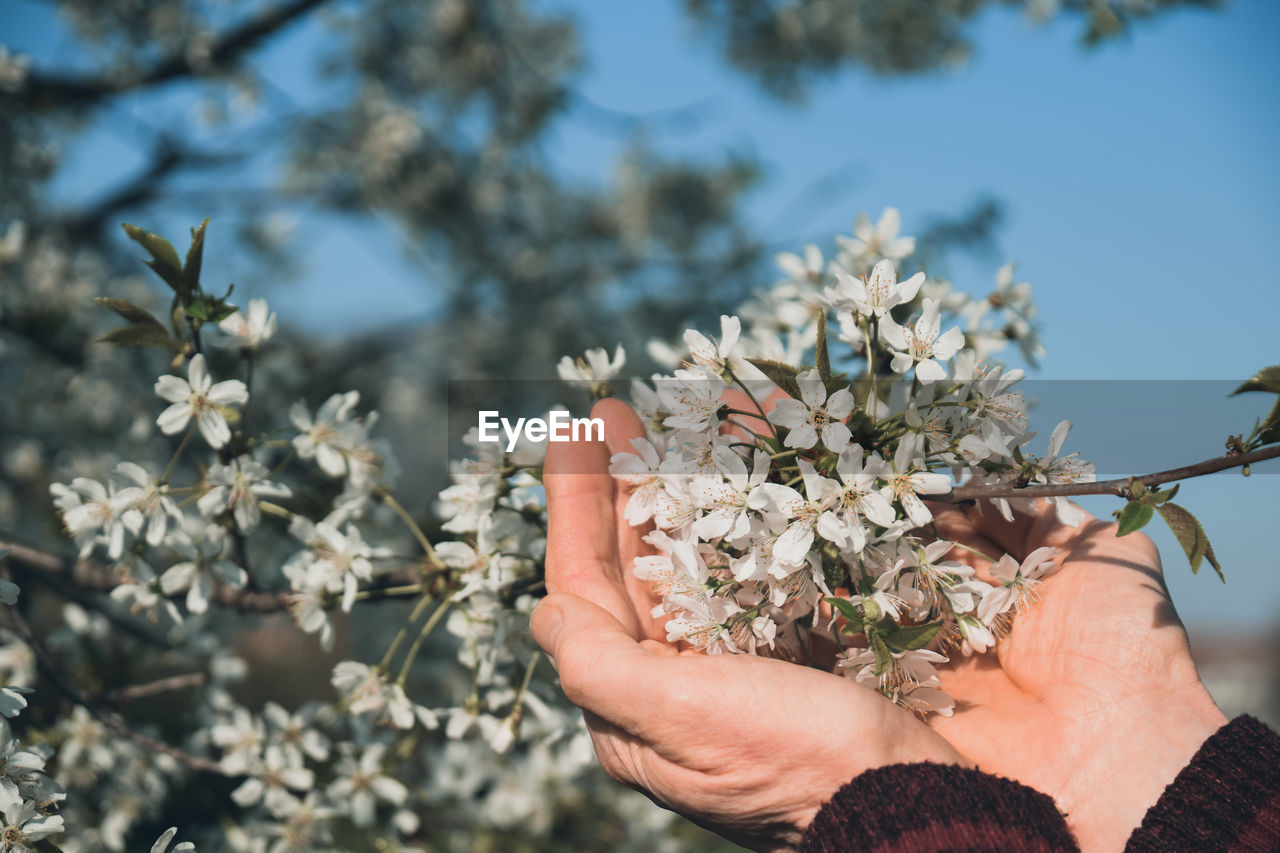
(1008, 536)
(952, 524)
(602, 668)
(582, 556)
(621, 425)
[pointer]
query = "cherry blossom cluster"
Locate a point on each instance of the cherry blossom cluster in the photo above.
(785, 468)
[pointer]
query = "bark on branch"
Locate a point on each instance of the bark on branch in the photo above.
(57, 91)
(1119, 487)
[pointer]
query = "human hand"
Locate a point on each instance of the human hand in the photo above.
(1093, 698)
(749, 747)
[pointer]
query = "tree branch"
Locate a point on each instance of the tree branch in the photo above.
(1119, 487)
(112, 721)
(55, 91)
(58, 572)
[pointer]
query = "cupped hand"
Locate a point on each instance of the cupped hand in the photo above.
(1093, 698)
(747, 746)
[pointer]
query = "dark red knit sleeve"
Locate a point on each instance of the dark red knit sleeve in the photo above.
(1226, 799)
(912, 808)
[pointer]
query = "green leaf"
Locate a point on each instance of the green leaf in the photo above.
(822, 356)
(845, 607)
(221, 311)
(160, 248)
(1191, 537)
(910, 637)
(781, 374)
(198, 310)
(1266, 379)
(1159, 497)
(127, 310)
(142, 335)
(195, 258)
(1271, 426)
(1134, 516)
(884, 657)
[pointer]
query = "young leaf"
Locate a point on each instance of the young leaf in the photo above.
(782, 375)
(1134, 516)
(164, 259)
(195, 258)
(141, 335)
(1266, 379)
(1191, 537)
(160, 248)
(910, 637)
(1160, 497)
(884, 657)
(845, 607)
(127, 310)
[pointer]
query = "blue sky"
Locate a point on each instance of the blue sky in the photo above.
(1140, 181)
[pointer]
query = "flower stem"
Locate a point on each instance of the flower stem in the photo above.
(399, 510)
(186, 439)
(422, 635)
(404, 630)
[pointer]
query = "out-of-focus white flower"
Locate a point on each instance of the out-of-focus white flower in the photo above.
(199, 397)
(593, 369)
(146, 503)
(162, 843)
(12, 700)
(237, 487)
(808, 268)
(322, 437)
(361, 782)
(880, 240)
(249, 328)
(204, 563)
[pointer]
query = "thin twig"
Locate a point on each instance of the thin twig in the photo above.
(111, 720)
(1119, 487)
(124, 695)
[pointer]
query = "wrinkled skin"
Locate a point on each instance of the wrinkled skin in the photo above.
(1093, 699)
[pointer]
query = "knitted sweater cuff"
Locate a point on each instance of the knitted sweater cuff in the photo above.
(1227, 798)
(922, 807)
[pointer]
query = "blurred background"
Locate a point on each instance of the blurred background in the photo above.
(470, 189)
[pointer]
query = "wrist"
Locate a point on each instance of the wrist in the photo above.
(1143, 750)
